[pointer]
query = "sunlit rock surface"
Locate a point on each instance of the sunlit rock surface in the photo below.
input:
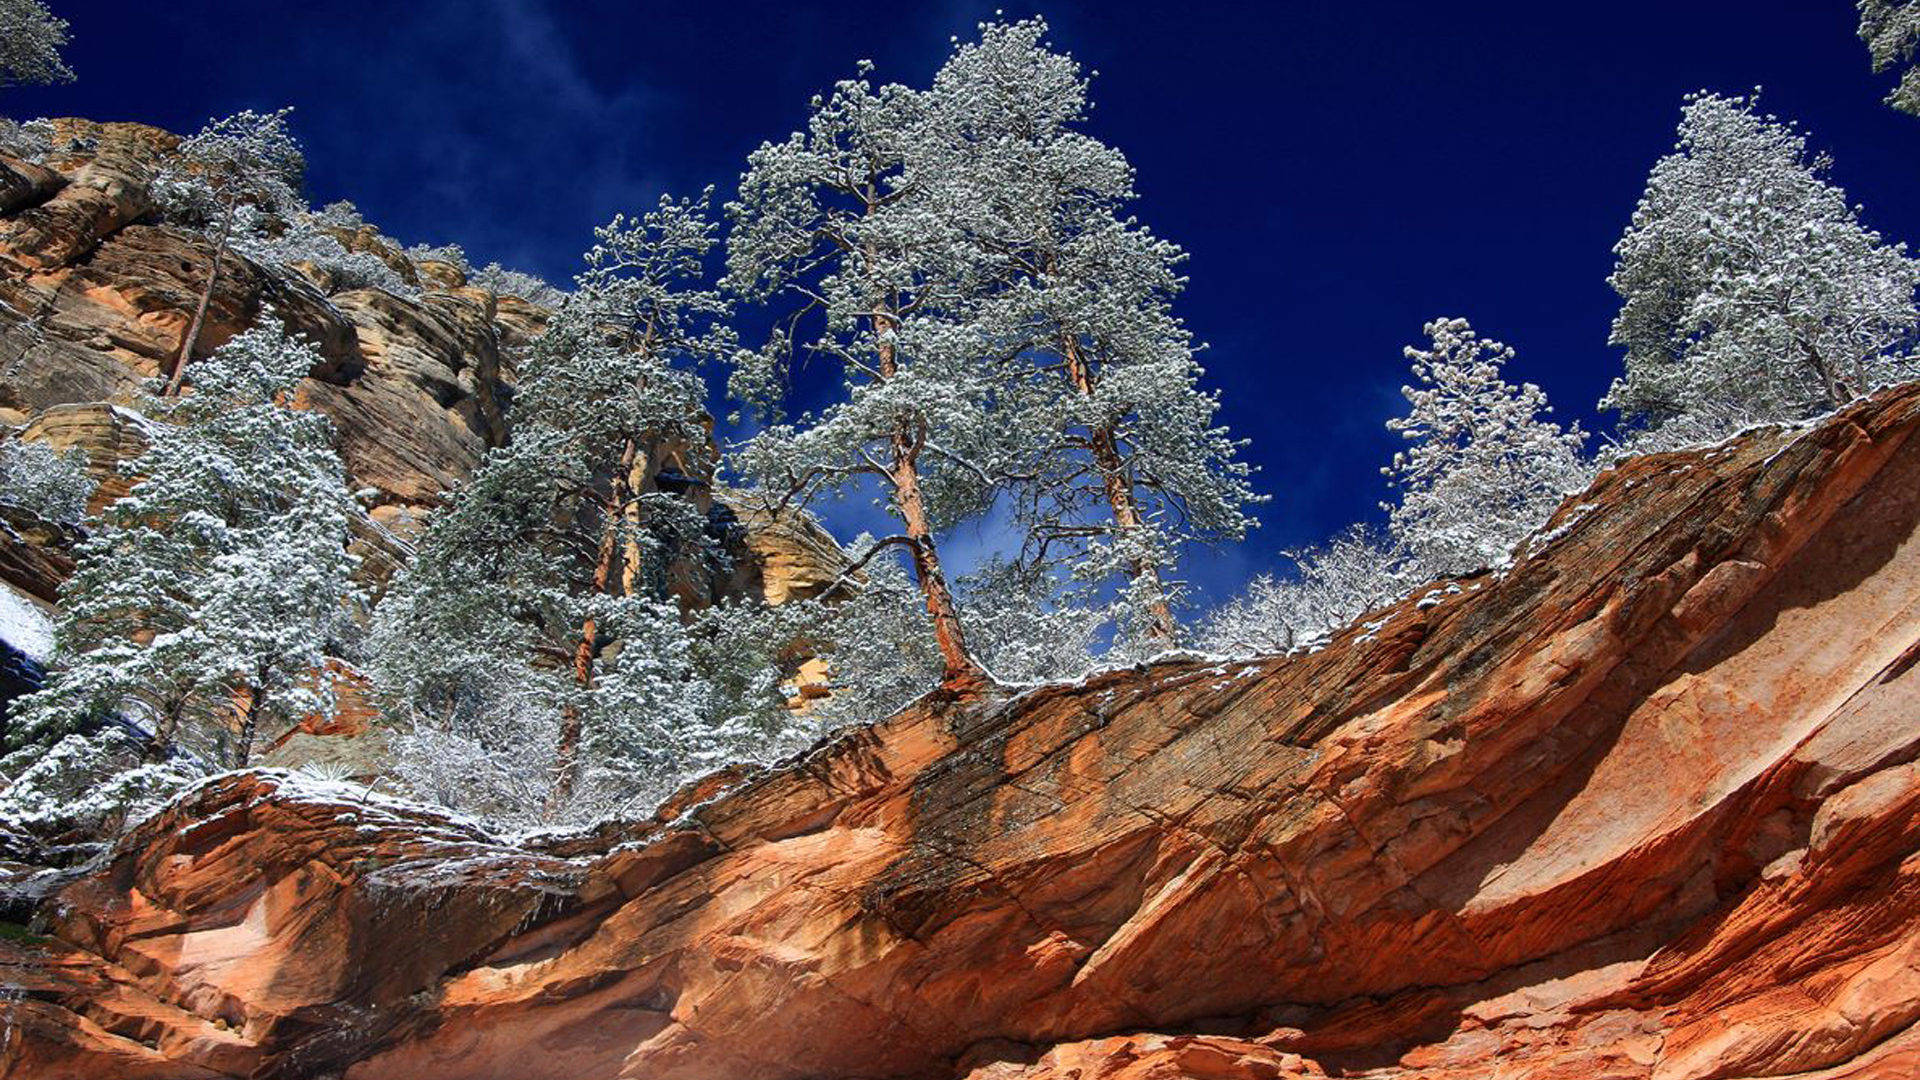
(412, 384)
(1643, 806)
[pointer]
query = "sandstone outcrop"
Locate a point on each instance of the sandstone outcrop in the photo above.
(1642, 807)
(795, 557)
(101, 298)
(97, 297)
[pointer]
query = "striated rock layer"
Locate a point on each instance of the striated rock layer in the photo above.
(1643, 806)
(100, 298)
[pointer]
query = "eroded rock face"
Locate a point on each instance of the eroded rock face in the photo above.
(97, 298)
(1642, 808)
(100, 298)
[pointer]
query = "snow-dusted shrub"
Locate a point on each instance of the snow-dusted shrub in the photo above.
(486, 730)
(50, 484)
(340, 214)
(1331, 586)
(1024, 627)
(516, 283)
(1704, 425)
(300, 239)
(497, 766)
(27, 140)
(451, 254)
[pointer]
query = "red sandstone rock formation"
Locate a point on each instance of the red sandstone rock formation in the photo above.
(1642, 807)
(410, 383)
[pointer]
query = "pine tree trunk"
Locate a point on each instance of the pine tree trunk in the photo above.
(1161, 626)
(160, 747)
(249, 725)
(192, 337)
(567, 754)
(959, 674)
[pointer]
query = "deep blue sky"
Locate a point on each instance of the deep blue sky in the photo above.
(1340, 172)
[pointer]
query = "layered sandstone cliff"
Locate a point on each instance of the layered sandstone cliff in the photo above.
(101, 295)
(1643, 806)
(96, 294)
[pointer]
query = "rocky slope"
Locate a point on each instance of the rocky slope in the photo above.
(415, 386)
(1642, 807)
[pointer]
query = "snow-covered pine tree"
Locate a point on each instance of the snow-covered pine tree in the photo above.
(1128, 463)
(542, 586)
(853, 223)
(210, 598)
(31, 38)
(1484, 469)
(1891, 30)
(244, 163)
(1751, 291)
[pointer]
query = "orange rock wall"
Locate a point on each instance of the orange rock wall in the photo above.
(1641, 808)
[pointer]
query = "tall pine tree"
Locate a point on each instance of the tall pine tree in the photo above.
(537, 620)
(1128, 465)
(1750, 290)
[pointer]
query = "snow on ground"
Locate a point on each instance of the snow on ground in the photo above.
(25, 625)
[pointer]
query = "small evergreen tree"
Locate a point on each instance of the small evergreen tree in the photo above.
(1484, 469)
(1750, 289)
(209, 599)
(239, 164)
(1891, 29)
